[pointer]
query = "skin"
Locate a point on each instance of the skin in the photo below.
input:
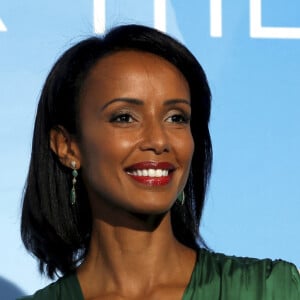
(134, 107)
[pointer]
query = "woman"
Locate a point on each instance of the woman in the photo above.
(120, 163)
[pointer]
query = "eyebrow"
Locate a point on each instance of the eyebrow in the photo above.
(175, 101)
(126, 100)
(140, 102)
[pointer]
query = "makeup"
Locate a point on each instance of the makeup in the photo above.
(151, 173)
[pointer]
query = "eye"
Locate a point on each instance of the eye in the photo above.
(122, 118)
(178, 118)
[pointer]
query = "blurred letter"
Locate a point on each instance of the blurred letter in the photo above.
(258, 31)
(216, 18)
(99, 16)
(160, 15)
(2, 26)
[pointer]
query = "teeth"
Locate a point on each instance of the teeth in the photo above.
(150, 172)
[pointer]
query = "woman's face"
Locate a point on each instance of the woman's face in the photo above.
(135, 139)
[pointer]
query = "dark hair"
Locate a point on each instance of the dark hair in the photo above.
(57, 233)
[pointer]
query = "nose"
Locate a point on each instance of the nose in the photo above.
(155, 138)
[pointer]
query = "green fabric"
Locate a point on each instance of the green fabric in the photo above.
(220, 277)
(215, 277)
(66, 288)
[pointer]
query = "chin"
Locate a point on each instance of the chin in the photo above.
(148, 221)
(151, 207)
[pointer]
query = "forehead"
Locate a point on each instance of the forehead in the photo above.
(126, 57)
(132, 61)
(130, 70)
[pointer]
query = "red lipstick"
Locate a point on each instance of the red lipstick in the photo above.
(151, 173)
(151, 165)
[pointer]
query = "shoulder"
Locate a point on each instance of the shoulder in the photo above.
(224, 262)
(64, 288)
(242, 277)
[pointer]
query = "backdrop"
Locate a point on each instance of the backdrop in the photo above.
(250, 50)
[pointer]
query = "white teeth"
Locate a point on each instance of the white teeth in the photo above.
(158, 173)
(150, 172)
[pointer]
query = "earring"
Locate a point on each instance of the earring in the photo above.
(181, 198)
(73, 191)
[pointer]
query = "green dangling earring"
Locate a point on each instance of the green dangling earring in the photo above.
(181, 198)
(73, 191)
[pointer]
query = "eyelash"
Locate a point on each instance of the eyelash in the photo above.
(178, 118)
(184, 119)
(122, 118)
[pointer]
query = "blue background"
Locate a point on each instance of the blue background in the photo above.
(253, 203)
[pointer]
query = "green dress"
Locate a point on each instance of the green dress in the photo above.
(215, 277)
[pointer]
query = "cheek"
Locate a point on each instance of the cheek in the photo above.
(187, 149)
(185, 153)
(99, 160)
(107, 148)
(192, 145)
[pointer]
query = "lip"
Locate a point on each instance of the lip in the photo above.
(151, 165)
(151, 181)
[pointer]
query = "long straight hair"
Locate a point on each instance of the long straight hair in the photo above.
(57, 233)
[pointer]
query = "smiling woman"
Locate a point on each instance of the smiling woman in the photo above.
(121, 159)
(143, 110)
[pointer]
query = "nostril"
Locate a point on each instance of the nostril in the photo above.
(155, 139)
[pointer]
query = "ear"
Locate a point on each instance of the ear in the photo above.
(64, 146)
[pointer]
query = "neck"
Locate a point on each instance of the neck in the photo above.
(129, 245)
(120, 252)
